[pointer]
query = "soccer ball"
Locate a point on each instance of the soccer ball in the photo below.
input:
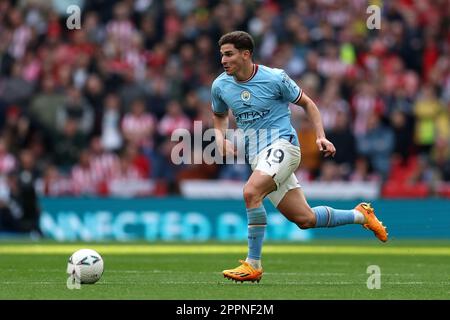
(85, 265)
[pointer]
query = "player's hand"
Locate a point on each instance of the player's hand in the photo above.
(326, 147)
(226, 148)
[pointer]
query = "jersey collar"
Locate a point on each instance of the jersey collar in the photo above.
(255, 70)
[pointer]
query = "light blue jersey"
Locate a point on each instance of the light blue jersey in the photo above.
(259, 105)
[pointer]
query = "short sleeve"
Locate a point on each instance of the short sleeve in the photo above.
(217, 104)
(289, 90)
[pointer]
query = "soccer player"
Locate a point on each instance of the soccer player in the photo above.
(258, 97)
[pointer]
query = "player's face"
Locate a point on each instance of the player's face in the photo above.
(232, 58)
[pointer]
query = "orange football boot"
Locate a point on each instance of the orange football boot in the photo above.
(372, 223)
(245, 272)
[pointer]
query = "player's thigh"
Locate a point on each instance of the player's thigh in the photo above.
(283, 188)
(296, 209)
(259, 184)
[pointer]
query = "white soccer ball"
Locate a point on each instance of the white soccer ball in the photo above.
(85, 265)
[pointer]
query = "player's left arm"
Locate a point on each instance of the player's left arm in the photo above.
(325, 146)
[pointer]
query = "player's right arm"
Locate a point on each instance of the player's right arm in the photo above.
(220, 119)
(220, 126)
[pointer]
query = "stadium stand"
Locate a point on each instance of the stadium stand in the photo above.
(96, 106)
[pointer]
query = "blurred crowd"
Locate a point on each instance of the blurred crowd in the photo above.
(90, 111)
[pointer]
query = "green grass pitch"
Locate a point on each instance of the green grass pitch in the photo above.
(295, 271)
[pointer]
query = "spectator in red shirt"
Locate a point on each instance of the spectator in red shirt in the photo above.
(173, 119)
(138, 126)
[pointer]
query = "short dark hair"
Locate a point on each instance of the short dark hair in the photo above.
(240, 39)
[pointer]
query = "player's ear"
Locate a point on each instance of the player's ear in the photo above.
(246, 54)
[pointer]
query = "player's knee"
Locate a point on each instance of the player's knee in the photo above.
(304, 221)
(307, 224)
(251, 195)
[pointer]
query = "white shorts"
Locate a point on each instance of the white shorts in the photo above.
(279, 160)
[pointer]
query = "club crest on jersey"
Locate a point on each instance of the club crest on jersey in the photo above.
(245, 95)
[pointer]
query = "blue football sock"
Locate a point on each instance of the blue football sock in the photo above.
(257, 221)
(328, 217)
